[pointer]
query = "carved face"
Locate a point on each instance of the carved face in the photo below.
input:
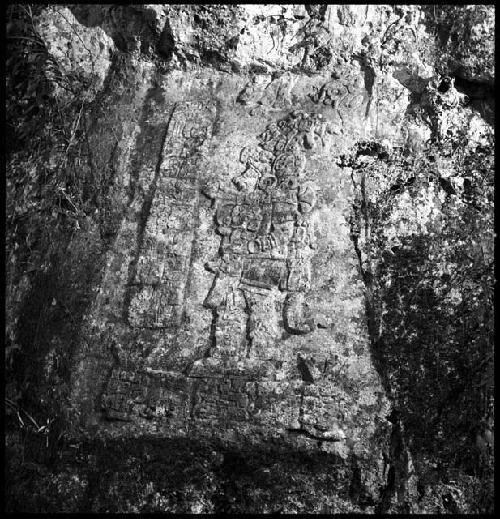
(288, 166)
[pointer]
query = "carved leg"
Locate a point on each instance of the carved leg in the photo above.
(262, 324)
(294, 320)
(230, 334)
(229, 326)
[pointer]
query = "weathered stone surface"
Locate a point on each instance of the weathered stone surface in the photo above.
(80, 51)
(232, 269)
(277, 176)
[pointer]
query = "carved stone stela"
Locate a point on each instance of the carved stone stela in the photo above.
(257, 281)
(261, 273)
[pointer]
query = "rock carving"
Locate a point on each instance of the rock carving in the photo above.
(264, 220)
(163, 261)
(342, 97)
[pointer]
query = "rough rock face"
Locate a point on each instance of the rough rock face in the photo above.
(279, 185)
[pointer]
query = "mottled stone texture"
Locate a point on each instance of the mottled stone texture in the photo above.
(270, 180)
(232, 303)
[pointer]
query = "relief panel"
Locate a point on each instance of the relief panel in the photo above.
(162, 263)
(264, 220)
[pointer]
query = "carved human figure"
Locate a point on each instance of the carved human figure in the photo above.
(265, 223)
